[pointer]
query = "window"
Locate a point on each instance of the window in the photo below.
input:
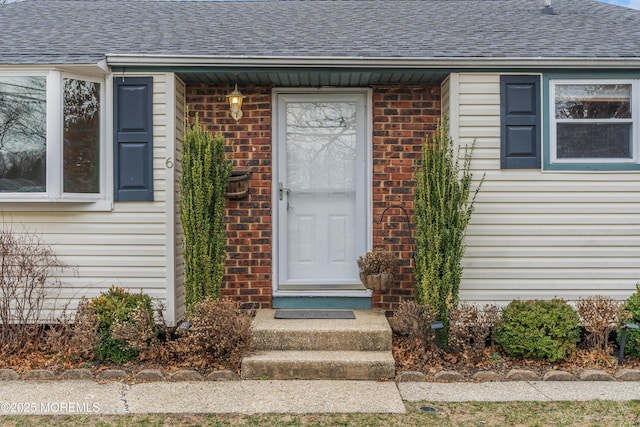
(51, 133)
(23, 134)
(593, 122)
(81, 136)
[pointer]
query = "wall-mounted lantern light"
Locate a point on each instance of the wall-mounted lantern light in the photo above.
(235, 103)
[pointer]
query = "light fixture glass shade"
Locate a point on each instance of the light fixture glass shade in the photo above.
(235, 103)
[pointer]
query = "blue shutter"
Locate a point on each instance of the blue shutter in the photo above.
(133, 138)
(520, 131)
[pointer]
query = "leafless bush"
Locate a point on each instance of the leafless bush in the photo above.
(470, 328)
(378, 261)
(85, 331)
(27, 268)
(600, 316)
(139, 333)
(219, 336)
(414, 345)
(413, 320)
(73, 338)
(492, 315)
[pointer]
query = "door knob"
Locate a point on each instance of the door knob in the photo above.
(281, 190)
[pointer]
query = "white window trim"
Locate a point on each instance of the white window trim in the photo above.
(54, 148)
(635, 121)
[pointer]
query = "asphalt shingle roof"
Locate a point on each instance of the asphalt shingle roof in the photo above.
(75, 31)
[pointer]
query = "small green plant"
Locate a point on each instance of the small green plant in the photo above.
(539, 329)
(120, 313)
(632, 307)
(204, 182)
(442, 209)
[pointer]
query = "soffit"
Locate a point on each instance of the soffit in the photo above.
(315, 78)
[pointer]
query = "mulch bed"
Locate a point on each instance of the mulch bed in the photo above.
(408, 353)
(410, 356)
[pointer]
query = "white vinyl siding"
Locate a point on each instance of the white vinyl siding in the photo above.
(541, 234)
(127, 246)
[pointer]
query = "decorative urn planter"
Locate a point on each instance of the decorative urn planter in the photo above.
(377, 269)
(378, 282)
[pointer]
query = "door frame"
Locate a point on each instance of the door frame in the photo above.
(368, 148)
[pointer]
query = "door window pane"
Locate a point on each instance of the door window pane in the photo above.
(23, 133)
(321, 146)
(81, 137)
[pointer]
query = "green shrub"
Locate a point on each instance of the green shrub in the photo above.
(632, 306)
(116, 310)
(539, 330)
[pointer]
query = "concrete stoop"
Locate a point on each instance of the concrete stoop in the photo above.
(347, 349)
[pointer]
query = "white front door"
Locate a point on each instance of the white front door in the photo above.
(321, 194)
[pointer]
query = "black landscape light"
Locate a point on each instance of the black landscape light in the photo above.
(183, 327)
(436, 326)
(623, 337)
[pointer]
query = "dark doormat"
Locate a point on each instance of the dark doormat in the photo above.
(314, 314)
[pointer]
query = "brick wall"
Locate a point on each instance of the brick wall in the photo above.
(402, 117)
(248, 268)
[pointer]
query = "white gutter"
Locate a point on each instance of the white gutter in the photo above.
(368, 62)
(97, 69)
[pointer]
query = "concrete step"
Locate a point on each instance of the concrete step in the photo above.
(369, 331)
(319, 365)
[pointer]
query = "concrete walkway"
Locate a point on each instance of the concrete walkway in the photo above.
(520, 391)
(297, 397)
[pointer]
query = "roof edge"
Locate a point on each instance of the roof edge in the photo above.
(369, 62)
(99, 68)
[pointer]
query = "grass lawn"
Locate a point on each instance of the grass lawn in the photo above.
(592, 413)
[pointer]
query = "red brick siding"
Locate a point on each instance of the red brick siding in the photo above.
(248, 269)
(402, 117)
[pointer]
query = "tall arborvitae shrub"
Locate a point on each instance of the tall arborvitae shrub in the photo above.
(205, 177)
(442, 209)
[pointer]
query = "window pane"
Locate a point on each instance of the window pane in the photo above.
(595, 141)
(23, 134)
(593, 101)
(81, 137)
